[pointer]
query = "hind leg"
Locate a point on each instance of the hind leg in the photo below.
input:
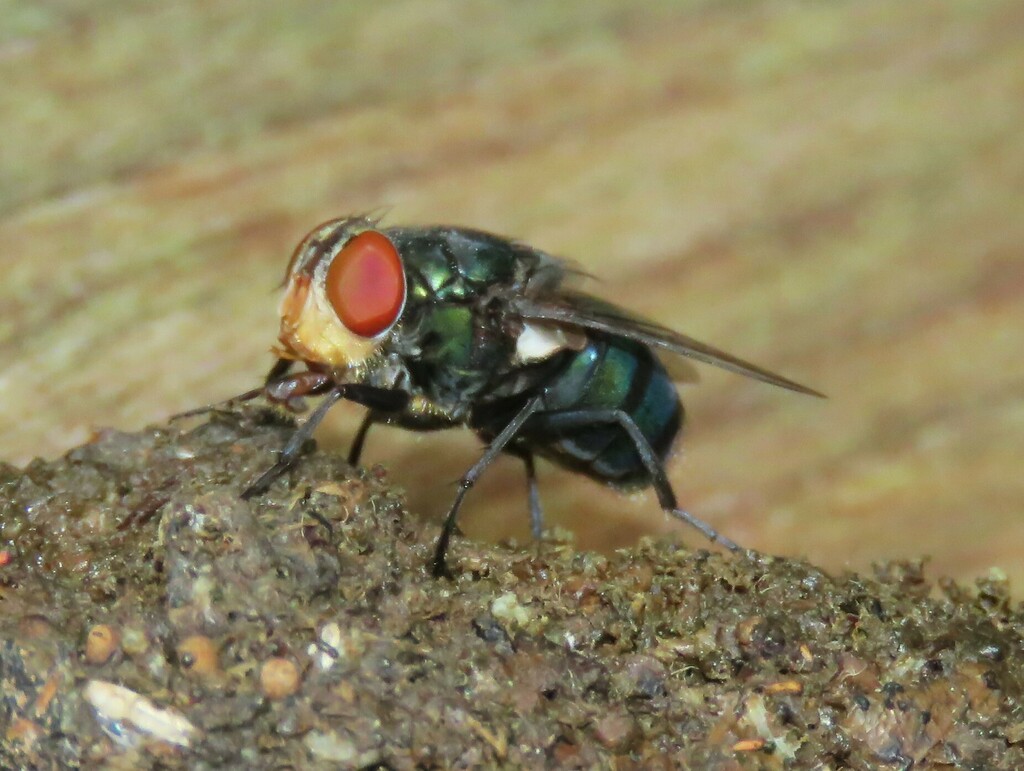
(532, 492)
(379, 399)
(572, 419)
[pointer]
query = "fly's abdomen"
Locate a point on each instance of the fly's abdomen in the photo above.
(608, 374)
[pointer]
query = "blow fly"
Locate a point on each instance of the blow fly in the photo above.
(436, 327)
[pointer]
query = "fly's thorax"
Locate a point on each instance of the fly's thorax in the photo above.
(462, 353)
(344, 294)
(457, 265)
(453, 351)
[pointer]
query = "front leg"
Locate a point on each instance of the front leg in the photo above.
(377, 399)
(291, 450)
(278, 387)
(278, 370)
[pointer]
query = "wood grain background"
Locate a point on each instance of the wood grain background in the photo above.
(834, 190)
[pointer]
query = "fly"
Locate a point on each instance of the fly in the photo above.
(437, 327)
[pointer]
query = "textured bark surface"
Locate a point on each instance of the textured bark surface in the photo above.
(833, 190)
(302, 630)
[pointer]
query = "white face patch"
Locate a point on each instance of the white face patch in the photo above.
(539, 341)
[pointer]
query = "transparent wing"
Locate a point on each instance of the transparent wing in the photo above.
(582, 311)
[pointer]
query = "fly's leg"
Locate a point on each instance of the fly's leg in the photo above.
(286, 391)
(533, 494)
(291, 450)
(377, 417)
(355, 452)
(276, 374)
(496, 447)
(227, 404)
(536, 515)
(569, 419)
(278, 370)
(379, 399)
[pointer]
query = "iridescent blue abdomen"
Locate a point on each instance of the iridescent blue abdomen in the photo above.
(613, 374)
(609, 374)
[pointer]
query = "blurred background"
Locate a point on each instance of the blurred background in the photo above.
(832, 190)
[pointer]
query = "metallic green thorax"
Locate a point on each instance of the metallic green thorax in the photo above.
(454, 338)
(456, 347)
(455, 265)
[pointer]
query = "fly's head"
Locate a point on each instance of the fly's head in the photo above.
(345, 290)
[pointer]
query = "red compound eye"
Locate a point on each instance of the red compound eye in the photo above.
(366, 284)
